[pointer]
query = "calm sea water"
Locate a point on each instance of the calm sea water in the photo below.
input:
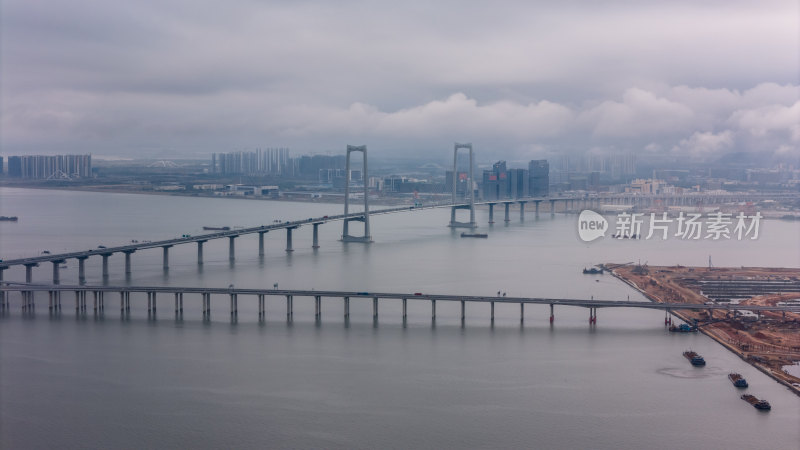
(110, 382)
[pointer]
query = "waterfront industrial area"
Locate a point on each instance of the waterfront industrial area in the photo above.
(768, 340)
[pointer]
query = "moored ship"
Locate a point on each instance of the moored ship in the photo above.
(682, 328)
(475, 235)
(757, 404)
(8, 218)
(694, 358)
(737, 380)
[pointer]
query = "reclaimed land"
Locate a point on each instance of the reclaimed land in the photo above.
(769, 342)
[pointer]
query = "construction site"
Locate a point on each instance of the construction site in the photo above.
(770, 341)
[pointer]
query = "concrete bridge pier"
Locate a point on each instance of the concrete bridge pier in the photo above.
(261, 243)
(552, 314)
(315, 243)
(289, 240)
(94, 301)
(507, 217)
(206, 305)
(78, 305)
(522, 211)
(405, 310)
(289, 308)
(433, 310)
(536, 204)
(522, 312)
(463, 311)
(128, 261)
(552, 207)
(592, 315)
(82, 269)
(318, 307)
(166, 256)
(666, 317)
(178, 303)
(29, 272)
(56, 274)
(105, 264)
(2, 293)
(234, 304)
(200, 252)
(375, 308)
(261, 306)
(231, 248)
(492, 317)
(347, 307)
(491, 212)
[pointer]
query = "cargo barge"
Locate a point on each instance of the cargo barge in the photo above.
(737, 380)
(475, 235)
(757, 404)
(694, 358)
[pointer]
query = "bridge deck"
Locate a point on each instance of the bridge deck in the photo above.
(23, 287)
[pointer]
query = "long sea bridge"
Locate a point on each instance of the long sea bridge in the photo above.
(567, 203)
(204, 294)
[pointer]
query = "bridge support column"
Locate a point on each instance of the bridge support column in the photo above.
(433, 310)
(261, 243)
(552, 207)
(234, 305)
(492, 312)
(405, 310)
(346, 307)
(552, 314)
(56, 277)
(2, 293)
(491, 212)
(289, 308)
(200, 252)
(315, 242)
(128, 261)
(537, 208)
(289, 240)
(463, 310)
(94, 301)
(375, 308)
(261, 306)
(105, 265)
(318, 307)
(592, 315)
(29, 272)
(507, 217)
(207, 305)
(166, 256)
(522, 312)
(231, 248)
(666, 317)
(82, 269)
(522, 211)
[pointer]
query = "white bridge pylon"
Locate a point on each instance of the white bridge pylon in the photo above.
(469, 191)
(346, 237)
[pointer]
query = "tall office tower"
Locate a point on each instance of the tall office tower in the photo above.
(539, 173)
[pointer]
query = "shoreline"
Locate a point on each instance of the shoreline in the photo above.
(794, 388)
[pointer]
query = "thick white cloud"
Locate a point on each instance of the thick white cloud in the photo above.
(201, 76)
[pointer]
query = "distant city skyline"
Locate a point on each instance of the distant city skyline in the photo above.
(519, 80)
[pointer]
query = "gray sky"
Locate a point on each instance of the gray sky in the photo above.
(190, 77)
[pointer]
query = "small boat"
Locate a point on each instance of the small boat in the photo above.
(682, 328)
(217, 228)
(694, 358)
(737, 380)
(592, 271)
(475, 235)
(757, 404)
(8, 218)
